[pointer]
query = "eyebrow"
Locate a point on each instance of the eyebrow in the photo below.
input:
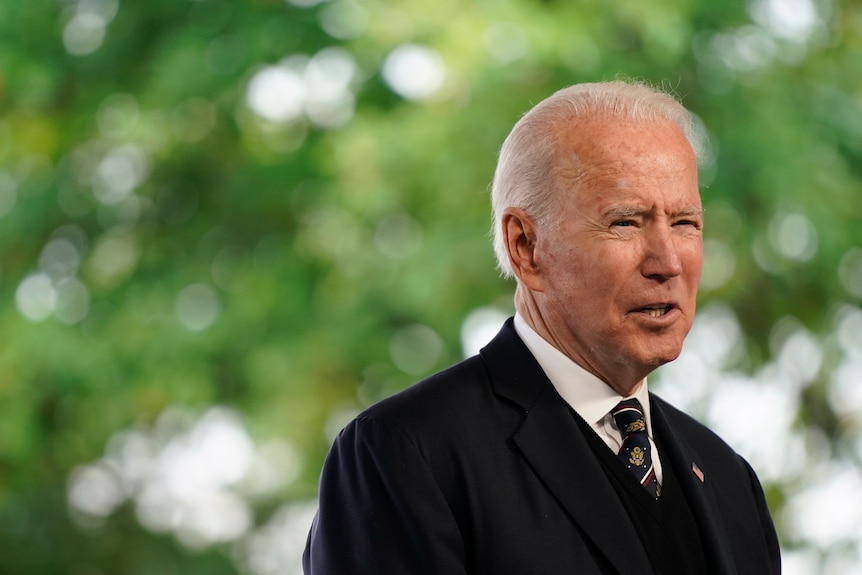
(693, 211)
(620, 211)
(617, 211)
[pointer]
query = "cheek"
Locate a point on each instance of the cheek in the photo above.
(569, 276)
(557, 258)
(694, 263)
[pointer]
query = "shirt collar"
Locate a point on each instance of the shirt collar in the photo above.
(588, 395)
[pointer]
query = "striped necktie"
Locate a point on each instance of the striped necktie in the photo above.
(635, 452)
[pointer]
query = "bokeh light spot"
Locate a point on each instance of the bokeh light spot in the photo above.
(187, 475)
(416, 349)
(415, 72)
(85, 31)
(319, 88)
(849, 330)
(479, 327)
(274, 465)
(197, 307)
(118, 174)
(718, 264)
(793, 236)
(59, 258)
(792, 20)
(328, 77)
(745, 49)
(219, 517)
(799, 561)
(73, 301)
(735, 413)
(506, 42)
(344, 19)
(829, 511)
(800, 356)
(276, 548)
(94, 489)
(844, 392)
(113, 259)
(277, 93)
(84, 34)
(36, 297)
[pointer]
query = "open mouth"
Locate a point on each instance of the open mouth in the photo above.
(655, 310)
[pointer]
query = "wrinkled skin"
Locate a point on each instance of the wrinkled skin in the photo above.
(612, 280)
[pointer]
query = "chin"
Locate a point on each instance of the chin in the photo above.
(656, 359)
(663, 360)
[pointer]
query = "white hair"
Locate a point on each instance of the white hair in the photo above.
(523, 175)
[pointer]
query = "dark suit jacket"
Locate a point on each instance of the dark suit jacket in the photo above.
(482, 469)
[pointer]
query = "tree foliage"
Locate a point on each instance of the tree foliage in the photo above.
(281, 209)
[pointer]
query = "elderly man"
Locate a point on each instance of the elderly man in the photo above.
(546, 453)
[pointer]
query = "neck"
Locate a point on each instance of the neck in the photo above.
(623, 379)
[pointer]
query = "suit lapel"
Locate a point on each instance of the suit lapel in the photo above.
(697, 492)
(554, 447)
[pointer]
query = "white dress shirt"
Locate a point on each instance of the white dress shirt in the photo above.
(589, 396)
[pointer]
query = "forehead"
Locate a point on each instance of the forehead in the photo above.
(619, 158)
(606, 141)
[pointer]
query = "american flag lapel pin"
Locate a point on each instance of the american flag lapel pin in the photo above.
(696, 470)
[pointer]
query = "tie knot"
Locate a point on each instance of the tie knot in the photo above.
(629, 417)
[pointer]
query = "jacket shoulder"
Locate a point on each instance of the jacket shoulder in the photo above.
(440, 399)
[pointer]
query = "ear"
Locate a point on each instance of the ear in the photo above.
(519, 233)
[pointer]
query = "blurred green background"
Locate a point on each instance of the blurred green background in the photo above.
(225, 227)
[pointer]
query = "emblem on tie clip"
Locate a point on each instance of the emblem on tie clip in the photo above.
(636, 456)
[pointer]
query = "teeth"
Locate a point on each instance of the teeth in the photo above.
(656, 312)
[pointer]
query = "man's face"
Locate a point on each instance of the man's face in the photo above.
(621, 264)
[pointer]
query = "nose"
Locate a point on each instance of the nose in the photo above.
(661, 254)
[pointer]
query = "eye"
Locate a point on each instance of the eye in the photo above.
(693, 223)
(623, 223)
